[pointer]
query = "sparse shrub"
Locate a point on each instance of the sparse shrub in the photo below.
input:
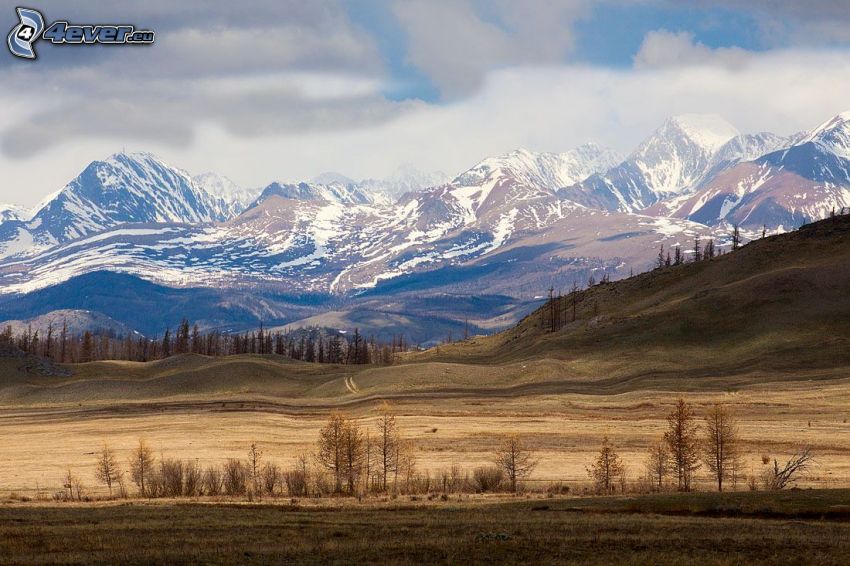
(213, 481)
(235, 480)
(557, 488)
(270, 477)
(192, 479)
(487, 478)
(297, 479)
(171, 472)
(155, 487)
(752, 483)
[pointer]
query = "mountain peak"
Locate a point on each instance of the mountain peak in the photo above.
(834, 135)
(707, 130)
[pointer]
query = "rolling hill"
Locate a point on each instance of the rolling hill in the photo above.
(778, 306)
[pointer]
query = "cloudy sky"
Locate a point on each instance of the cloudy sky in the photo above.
(279, 89)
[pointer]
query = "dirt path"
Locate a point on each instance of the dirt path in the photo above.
(350, 385)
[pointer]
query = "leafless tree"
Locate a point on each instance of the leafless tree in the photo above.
(606, 469)
(720, 450)
(141, 466)
(387, 441)
(271, 478)
(683, 441)
(297, 479)
(331, 453)
(657, 464)
(515, 459)
(798, 464)
(736, 237)
(107, 470)
(255, 456)
(353, 455)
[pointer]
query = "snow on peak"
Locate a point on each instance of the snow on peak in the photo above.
(13, 212)
(833, 135)
(332, 177)
(545, 171)
(710, 131)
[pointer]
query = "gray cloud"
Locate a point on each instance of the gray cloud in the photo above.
(456, 42)
(277, 66)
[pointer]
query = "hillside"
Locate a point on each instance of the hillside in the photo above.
(778, 304)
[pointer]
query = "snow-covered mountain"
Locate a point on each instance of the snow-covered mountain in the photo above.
(13, 212)
(124, 188)
(783, 188)
(334, 192)
(671, 162)
(231, 199)
(405, 179)
(508, 225)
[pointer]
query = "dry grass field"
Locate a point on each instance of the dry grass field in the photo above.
(791, 528)
(209, 410)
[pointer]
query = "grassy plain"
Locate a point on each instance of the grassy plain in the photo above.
(795, 527)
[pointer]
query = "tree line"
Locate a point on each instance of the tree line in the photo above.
(561, 309)
(309, 345)
(686, 446)
(357, 460)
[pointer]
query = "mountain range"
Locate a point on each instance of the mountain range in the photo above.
(372, 251)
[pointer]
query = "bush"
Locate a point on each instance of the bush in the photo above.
(235, 480)
(296, 482)
(192, 479)
(212, 481)
(487, 478)
(171, 472)
(270, 479)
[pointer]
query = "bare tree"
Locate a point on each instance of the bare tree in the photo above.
(387, 441)
(606, 469)
(682, 440)
(353, 455)
(799, 463)
(297, 479)
(331, 447)
(141, 466)
(107, 470)
(657, 464)
(271, 478)
(255, 456)
(736, 237)
(515, 458)
(720, 450)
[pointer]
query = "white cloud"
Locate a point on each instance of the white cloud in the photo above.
(663, 48)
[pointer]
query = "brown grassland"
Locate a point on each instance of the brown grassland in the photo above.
(793, 527)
